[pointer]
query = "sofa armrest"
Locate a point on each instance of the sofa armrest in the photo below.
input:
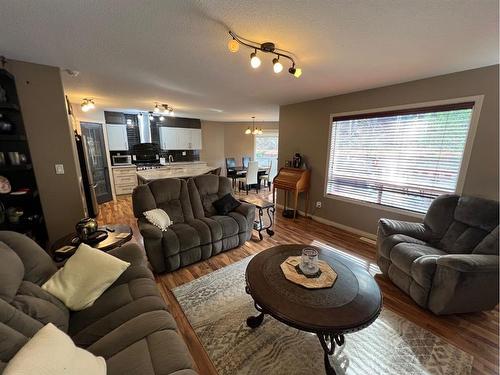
(148, 230)
(469, 262)
(388, 227)
(247, 210)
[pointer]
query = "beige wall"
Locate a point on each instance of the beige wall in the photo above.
(51, 142)
(238, 144)
(212, 142)
(304, 128)
(228, 140)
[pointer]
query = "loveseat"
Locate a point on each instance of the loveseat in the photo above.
(448, 263)
(197, 232)
(129, 324)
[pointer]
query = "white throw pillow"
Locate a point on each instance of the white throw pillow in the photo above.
(52, 352)
(159, 218)
(84, 277)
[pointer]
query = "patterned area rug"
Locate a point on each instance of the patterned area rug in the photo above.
(217, 307)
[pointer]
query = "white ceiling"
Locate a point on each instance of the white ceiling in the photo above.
(131, 53)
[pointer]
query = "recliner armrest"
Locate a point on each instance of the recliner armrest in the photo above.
(469, 262)
(148, 230)
(247, 210)
(388, 227)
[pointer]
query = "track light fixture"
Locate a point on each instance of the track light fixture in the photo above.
(267, 47)
(87, 104)
(160, 111)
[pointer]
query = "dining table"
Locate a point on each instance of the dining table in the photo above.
(237, 172)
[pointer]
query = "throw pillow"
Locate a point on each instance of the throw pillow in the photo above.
(159, 218)
(226, 204)
(84, 277)
(52, 352)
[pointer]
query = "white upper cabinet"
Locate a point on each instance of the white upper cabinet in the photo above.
(180, 138)
(117, 137)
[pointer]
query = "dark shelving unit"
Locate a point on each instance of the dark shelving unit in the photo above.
(20, 175)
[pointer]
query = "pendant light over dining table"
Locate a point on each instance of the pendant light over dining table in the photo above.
(254, 130)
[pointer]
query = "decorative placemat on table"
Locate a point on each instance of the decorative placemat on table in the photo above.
(326, 277)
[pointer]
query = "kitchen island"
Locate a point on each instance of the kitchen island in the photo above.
(184, 171)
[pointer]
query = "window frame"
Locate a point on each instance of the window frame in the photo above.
(476, 110)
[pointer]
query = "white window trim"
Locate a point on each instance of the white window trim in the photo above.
(471, 134)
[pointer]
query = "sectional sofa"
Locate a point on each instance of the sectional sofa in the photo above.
(129, 325)
(197, 232)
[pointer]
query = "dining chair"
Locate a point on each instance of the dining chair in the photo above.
(245, 160)
(250, 178)
(230, 171)
(268, 177)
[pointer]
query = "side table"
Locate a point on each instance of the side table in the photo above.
(118, 235)
(261, 205)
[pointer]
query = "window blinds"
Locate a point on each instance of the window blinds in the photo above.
(402, 159)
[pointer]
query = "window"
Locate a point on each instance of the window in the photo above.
(401, 159)
(266, 148)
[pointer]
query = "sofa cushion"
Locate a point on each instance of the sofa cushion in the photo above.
(116, 306)
(205, 190)
(38, 266)
(147, 344)
(179, 237)
(228, 224)
(11, 272)
(41, 305)
(404, 254)
(241, 220)
(423, 270)
(477, 212)
(215, 228)
(461, 238)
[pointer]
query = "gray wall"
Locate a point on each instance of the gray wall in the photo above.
(304, 128)
(51, 142)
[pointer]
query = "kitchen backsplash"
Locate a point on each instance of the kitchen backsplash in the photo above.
(190, 155)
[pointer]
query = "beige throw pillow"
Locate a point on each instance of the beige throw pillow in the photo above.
(84, 277)
(159, 218)
(52, 352)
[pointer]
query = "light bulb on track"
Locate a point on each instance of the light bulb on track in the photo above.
(254, 60)
(277, 66)
(233, 45)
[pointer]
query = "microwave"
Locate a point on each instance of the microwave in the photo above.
(122, 159)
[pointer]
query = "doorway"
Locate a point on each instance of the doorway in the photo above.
(93, 136)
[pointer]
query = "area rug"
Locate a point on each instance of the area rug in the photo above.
(217, 306)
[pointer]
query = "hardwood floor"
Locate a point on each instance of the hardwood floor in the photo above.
(475, 333)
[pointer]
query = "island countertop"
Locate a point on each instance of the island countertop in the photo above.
(173, 172)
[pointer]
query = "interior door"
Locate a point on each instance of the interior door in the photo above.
(93, 137)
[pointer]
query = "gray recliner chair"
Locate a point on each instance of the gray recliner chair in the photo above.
(197, 233)
(449, 263)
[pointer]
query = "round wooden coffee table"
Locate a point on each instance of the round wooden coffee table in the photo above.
(351, 304)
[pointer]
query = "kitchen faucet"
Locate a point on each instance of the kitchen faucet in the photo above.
(170, 159)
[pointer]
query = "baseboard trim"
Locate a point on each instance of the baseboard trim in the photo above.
(331, 223)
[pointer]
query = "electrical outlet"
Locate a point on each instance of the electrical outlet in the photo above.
(59, 168)
(318, 204)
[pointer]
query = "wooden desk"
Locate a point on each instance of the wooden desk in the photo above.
(295, 180)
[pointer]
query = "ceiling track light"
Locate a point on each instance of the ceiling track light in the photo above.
(267, 47)
(87, 104)
(160, 111)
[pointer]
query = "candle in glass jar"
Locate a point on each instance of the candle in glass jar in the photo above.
(309, 261)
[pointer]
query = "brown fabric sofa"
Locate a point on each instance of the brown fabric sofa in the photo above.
(449, 263)
(129, 325)
(197, 232)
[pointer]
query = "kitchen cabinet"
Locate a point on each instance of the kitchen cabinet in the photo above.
(124, 179)
(117, 137)
(180, 138)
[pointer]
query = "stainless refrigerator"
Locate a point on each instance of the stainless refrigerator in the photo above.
(89, 187)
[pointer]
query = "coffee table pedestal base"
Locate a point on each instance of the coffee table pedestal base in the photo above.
(328, 343)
